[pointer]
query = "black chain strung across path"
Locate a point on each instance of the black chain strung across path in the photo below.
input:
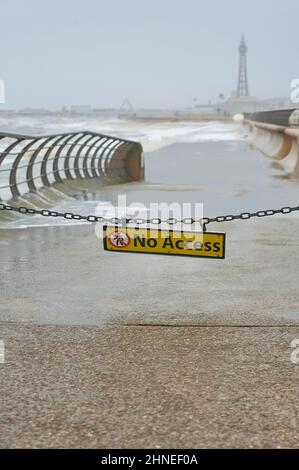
(155, 221)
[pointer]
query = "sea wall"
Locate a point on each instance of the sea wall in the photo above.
(276, 134)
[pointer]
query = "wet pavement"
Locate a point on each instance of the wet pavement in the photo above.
(148, 387)
(120, 350)
(61, 275)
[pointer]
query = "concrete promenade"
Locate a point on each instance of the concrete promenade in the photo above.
(90, 364)
(148, 387)
(124, 350)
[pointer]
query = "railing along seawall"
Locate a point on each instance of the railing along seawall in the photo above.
(276, 134)
(28, 163)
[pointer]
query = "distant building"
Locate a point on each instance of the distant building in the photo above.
(30, 111)
(250, 104)
(242, 86)
(206, 108)
(7, 112)
(240, 101)
(80, 109)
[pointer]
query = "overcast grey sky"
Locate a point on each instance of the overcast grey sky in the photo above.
(159, 53)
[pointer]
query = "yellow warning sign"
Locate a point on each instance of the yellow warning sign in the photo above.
(164, 242)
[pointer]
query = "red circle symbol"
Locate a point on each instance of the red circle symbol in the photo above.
(119, 239)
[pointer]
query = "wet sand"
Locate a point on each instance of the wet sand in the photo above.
(120, 350)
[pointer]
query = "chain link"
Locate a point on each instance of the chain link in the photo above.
(154, 221)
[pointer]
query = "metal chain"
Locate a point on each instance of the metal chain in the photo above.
(155, 221)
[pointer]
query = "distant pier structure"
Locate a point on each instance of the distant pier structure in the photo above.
(242, 87)
(126, 109)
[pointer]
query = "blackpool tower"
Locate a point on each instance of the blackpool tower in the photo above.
(242, 88)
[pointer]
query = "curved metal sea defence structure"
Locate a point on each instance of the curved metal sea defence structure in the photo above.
(28, 163)
(276, 134)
